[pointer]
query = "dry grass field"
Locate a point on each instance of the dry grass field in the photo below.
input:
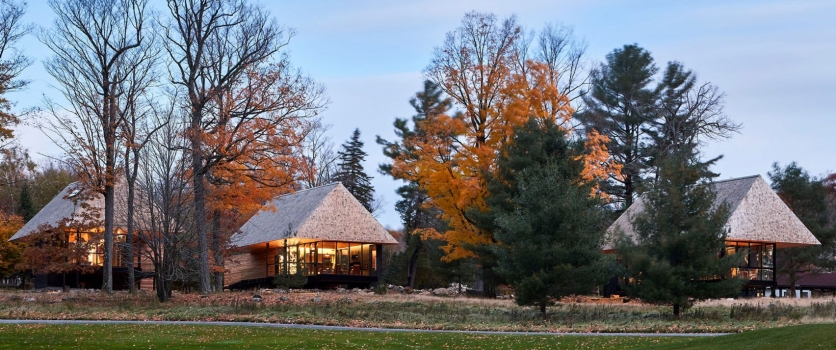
(365, 309)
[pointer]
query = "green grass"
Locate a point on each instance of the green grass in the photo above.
(817, 336)
(206, 337)
(813, 336)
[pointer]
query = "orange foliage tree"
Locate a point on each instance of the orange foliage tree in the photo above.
(60, 248)
(479, 67)
(251, 151)
(9, 251)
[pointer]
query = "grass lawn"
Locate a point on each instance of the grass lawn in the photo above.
(201, 337)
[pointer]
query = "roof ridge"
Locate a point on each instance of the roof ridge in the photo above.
(735, 179)
(306, 189)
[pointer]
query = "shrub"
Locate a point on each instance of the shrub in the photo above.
(288, 280)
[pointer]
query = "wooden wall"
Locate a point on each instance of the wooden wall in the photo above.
(253, 263)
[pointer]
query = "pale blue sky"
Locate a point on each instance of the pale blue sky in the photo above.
(773, 59)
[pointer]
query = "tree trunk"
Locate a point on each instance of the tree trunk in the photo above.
(676, 310)
(793, 280)
(162, 296)
(107, 268)
(489, 280)
(543, 309)
(413, 264)
(216, 248)
(129, 239)
(199, 204)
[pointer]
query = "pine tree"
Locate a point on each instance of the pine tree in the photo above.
(351, 174)
(807, 198)
(25, 207)
(621, 105)
(547, 223)
(417, 213)
(675, 258)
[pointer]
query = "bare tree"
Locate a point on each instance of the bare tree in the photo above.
(319, 160)
(239, 101)
(163, 223)
(137, 129)
(12, 62)
(688, 113)
(98, 45)
(564, 55)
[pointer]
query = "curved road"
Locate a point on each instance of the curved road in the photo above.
(341, 328)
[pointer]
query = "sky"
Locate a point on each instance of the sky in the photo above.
(772, 59)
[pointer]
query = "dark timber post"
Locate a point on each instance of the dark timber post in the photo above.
(267, 260)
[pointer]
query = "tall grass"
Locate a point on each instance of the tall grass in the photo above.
(416, 312)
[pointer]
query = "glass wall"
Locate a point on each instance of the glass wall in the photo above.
(758, 260)
(93, 242)
(328, 258)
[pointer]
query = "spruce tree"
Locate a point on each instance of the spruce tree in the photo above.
(546, 220)
(675, 257)
(351, 174)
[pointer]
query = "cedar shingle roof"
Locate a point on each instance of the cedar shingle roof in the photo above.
(72, 202)
(327, 212)
(757, 214)
(61, 206)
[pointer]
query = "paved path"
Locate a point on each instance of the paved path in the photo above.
(340, 328)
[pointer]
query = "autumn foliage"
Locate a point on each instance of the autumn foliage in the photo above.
(9, 251)
(497, 92)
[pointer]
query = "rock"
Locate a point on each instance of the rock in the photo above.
(284, 298)
(316, 299)
(29, 299)
(426, 292)
(341, 290)
(441, 292)
(408, 290)
(267, 291)
(348, 300)
(257, 298)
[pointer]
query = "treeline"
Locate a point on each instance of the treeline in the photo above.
(521, 154)
(185, 119)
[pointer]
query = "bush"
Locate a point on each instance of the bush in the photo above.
(288, 281)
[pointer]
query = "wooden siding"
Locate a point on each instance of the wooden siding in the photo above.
(253, 263)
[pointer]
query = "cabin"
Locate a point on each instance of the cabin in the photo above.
(80, 212)
(323, 233)
(759, 223)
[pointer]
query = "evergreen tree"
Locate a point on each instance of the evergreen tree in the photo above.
(351, 174)
(675, 258)
(620, 104)
(25, 207)
(807, 197)
(646, 119)
(548, 224)
(417, 214)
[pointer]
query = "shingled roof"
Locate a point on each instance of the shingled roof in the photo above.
(72, 202)
(757, 214)
(327, 212)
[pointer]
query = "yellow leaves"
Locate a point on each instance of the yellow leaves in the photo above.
(598, 165)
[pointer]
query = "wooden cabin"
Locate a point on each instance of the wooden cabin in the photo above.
(78, 207)
(323, 233)
(759, 223)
